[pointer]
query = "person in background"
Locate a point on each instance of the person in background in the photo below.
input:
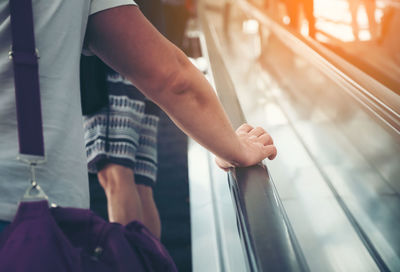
(121, 144)
(293, 8)
(370, 7)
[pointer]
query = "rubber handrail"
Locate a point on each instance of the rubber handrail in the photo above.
(267, 237)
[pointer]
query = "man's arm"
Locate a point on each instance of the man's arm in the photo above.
(124, 39)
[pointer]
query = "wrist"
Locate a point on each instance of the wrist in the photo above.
(238, 158)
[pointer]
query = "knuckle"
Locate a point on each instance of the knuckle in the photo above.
(259, 128)
(267, 139)
(245, 126)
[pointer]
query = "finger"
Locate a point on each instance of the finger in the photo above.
(266, 139)
(245, 128)
(270, 151)
(258, 131)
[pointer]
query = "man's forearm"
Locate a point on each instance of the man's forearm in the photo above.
(127, 42)
(195, 108)
(164, 74)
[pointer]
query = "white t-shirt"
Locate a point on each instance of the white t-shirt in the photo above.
(59, 32)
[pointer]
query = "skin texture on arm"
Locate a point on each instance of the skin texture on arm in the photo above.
(124, 39)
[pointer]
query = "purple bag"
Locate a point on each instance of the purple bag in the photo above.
(59, 239)
(67, 239)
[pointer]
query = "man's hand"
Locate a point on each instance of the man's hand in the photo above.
(256, 145)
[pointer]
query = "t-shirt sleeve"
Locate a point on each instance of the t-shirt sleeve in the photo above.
(99, 5)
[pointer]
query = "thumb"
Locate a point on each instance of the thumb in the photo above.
(224, 165)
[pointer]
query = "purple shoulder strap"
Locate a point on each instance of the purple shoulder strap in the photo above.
(26, 78)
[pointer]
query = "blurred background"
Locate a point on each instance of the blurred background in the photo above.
(323, 77)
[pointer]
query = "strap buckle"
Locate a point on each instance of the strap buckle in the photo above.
(34, 192)
(11, 53)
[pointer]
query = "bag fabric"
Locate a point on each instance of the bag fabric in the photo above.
(76, 240)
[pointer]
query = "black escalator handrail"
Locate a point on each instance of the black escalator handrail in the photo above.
(267, 236)
(381, 102)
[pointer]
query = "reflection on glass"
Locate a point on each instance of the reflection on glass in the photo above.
(350, 20)
(364, 32)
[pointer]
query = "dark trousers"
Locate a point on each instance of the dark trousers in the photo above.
(293, 9)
